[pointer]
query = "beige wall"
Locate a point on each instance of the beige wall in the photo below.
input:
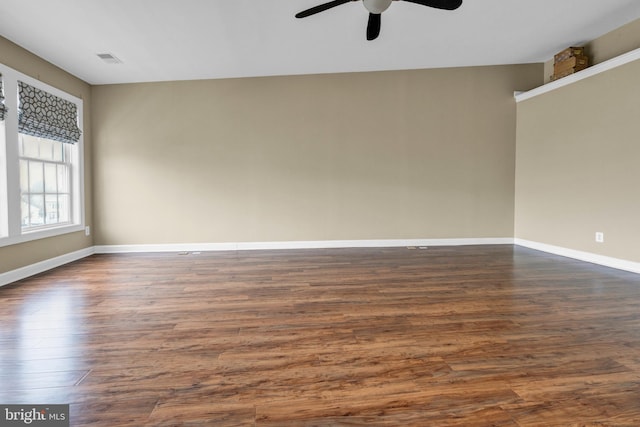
(577, 165)
(387, 155)
(16, 256)
(615, 43)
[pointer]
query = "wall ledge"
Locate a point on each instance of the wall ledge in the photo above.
(606, 261)
(580, 75)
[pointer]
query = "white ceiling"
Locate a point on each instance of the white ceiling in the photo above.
(200, 39)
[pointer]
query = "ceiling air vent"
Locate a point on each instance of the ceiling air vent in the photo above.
(109, 58)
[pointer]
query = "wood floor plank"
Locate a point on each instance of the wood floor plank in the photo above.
(448, 336)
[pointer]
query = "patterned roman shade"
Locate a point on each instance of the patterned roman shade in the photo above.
(3, 108)
(45, 115)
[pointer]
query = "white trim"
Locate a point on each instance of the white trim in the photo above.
(41, 267)
(314, 244)
(177, 247)
(580, 75)
(606, 261)
(15, 234)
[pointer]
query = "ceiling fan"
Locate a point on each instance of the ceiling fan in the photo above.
(376, 7)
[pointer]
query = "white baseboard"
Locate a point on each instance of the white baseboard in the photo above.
(41, 267)
(606, 261)
(315, 244)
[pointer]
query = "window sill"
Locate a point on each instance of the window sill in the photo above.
(40, 234)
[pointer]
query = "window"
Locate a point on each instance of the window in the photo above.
(44, 182)
(41, 170)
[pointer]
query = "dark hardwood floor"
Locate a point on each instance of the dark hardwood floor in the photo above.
(465, 336)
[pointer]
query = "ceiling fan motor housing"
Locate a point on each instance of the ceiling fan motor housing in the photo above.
(377, 6)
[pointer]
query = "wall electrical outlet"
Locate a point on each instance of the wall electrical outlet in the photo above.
(87, 230)
(599, 237)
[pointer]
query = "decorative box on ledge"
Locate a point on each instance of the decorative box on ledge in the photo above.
(569, 61)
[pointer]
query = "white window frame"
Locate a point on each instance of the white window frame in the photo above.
(11, 231)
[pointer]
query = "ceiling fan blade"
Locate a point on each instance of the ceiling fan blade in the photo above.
(439, 4)
(320, 8)
(373, 27)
